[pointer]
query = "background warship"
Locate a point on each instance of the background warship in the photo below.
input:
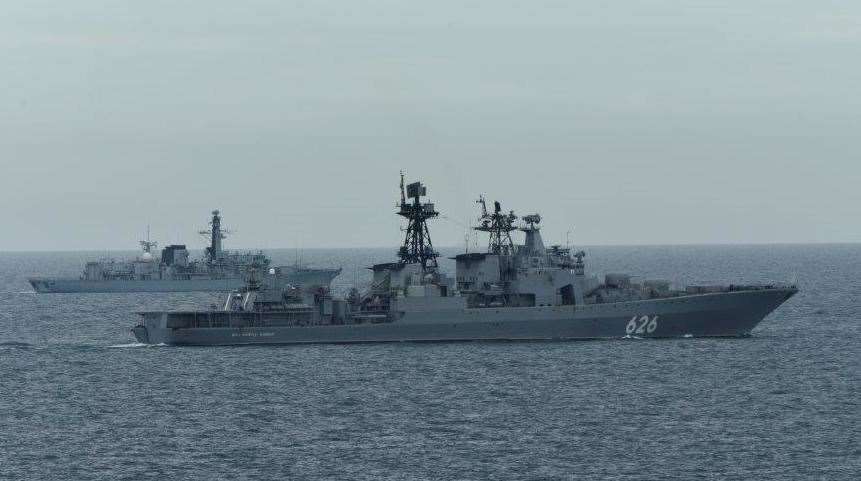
(218, 270)
(509, 292)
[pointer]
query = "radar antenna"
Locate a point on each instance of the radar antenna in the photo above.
(499, 226)
(417, 246)
(531, 221)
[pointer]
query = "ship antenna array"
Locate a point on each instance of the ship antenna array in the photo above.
(417, 246)
(499, 226)
(531, 222)
(148, 245)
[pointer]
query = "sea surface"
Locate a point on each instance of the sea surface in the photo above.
(80, 400)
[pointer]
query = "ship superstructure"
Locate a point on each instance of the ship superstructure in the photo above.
(512, 291)
(417, 271)
(174, 271)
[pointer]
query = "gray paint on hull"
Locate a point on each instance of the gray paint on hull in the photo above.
(60, 286)
(708, 315)
(64, 286)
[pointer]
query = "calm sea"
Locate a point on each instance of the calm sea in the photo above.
(80, 400)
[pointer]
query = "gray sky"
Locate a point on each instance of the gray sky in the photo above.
(637, 122)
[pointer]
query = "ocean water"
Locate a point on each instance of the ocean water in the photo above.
(80, 400)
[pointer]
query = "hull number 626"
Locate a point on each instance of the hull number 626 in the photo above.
(641, 325)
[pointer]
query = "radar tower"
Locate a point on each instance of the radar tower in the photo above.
(417, 246)
(215, 234)
(499, 226)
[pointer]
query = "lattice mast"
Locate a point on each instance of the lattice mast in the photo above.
(417, 246)
(499, 227)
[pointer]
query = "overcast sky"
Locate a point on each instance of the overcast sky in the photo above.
(638, 122)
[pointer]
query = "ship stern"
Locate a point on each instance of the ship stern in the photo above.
(40, 286)
(141, 334)
(152, 328)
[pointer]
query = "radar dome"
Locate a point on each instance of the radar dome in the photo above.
(146, 256)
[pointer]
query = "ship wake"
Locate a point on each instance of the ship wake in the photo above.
(136, 344)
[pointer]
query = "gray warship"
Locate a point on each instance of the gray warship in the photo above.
(173, 271)
(509, 292)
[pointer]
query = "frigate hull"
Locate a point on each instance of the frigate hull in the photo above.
(61, 286)
(729, 314)
(55, 286)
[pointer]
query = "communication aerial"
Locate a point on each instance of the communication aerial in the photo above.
(417, 246)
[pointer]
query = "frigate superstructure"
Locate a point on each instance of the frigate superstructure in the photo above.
(509, 292)
(173, 270)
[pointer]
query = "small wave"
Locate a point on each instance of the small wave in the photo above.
(16, 345)
(688, 336)
(631, 337)
(136, 344)
(133, 344)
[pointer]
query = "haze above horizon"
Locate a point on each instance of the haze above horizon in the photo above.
(648, 123)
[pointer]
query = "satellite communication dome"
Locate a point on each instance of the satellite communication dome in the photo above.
(146, 256)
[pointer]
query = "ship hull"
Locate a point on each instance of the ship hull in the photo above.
(731, 314)
(55, 286)
(65, 286)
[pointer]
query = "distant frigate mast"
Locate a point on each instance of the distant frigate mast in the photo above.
(417, 247)
(215, 234)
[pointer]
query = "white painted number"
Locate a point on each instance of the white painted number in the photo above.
(632, 326)
(641, 325)
(653, 324)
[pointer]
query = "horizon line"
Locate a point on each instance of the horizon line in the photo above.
(678, 244)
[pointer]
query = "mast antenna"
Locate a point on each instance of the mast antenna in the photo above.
(148, 245)
(403, 194)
